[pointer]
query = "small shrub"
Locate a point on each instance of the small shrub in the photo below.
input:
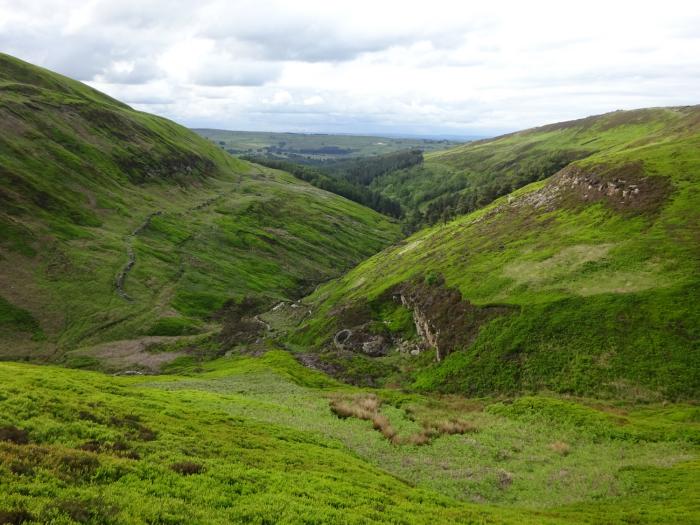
(13, 434)
(418, 439)
(91, 446)
(89, 416)
(123, 449)
(359, 407)
(88, 511)
(146, 434)
(14, 517)
(433, 278)
(78, 466)
(187, 468)
(77, 510)
(342, 410)
(138, 429)
(370, 403)
(21, 468)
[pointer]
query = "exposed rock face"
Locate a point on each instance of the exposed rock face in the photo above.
(166, 165)
(443, 319)
(427, 331)
(623, 187)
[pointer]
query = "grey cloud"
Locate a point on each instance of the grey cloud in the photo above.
(223, 62)
(243, 73)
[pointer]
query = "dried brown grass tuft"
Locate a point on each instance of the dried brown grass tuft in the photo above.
(454, 426)
(382, 424)
(361, 407)
(561, 448)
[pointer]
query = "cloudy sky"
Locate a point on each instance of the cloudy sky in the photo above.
(379, 66)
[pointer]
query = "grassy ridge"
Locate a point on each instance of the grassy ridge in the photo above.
(89, 185)
(462, 179)
(253, 440)
(602, 287)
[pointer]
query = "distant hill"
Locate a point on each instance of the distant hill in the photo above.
(584, 283)
(119, 225)
(315, 148)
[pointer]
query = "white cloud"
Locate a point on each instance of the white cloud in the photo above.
(367, 65)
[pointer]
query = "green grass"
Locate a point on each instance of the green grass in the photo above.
(82, 172)
(14, 319)
(102, 449)
(602, 296)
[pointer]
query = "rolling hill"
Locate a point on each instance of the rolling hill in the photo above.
(462, 179)
(583, 283)
(118, 225)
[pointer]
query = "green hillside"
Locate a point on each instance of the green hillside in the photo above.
(585, 283)
(116, 224)
(464, 178)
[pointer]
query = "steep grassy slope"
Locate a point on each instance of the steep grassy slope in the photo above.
(116, 224)
(252, 440)
(585, 283)
(461, 179)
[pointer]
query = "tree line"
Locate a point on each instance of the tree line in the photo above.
(335, 182)
(481, 191)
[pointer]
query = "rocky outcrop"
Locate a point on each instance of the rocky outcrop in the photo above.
(622, 187)
(444, 320)
(360, 339)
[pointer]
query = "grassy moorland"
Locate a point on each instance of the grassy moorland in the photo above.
(592, 273)
(253, 440)
(116, 224)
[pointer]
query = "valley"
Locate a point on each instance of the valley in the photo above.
(191, 337)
